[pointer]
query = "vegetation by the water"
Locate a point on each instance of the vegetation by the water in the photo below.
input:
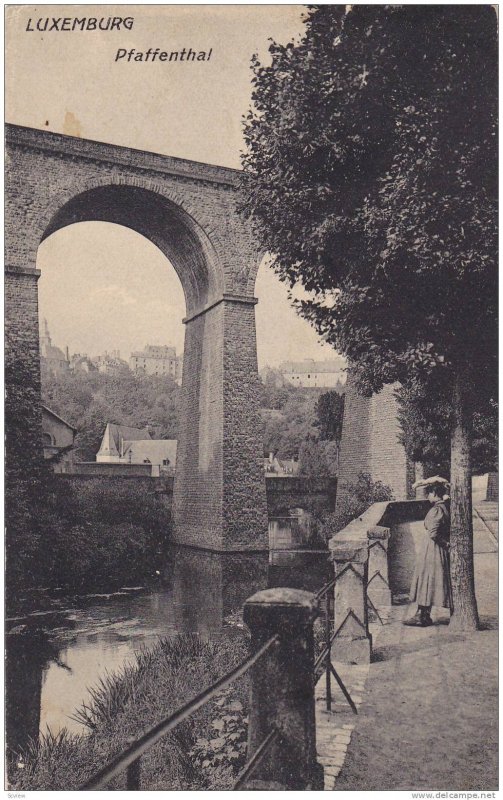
(99, 536)
(204, 752)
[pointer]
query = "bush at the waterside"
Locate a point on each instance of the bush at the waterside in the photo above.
(98, 536)
(205, 752)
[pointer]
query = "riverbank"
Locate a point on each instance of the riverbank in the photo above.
(204, 752)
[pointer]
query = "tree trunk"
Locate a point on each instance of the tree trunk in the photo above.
(465, 615)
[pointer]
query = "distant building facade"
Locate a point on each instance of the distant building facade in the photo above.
(58, 438)
(328, 374)
(110, 363)
(124, 445)
(52, 359)
(275, 467)
(81, 363)
(157, 360)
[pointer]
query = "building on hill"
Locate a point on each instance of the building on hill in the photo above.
(81, 363)
(275, 467)
(52, 359)
(124, 445)
(58, 439)
(310, 373)
(110, 363)
(157, 360)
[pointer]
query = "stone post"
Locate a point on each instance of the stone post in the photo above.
(378, 590)
(421, 491)
(282, 689)
(353, 642)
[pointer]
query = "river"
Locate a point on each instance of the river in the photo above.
(64, 645)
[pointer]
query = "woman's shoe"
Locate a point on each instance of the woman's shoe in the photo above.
(421, 619)
(415, 621)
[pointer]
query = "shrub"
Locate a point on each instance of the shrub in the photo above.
(356, 499)
(100, 535)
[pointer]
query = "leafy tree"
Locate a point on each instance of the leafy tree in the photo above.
(425, 421)
(90, 400)
(318, 459)
(285, 429)
(330, 411)
(371, 179)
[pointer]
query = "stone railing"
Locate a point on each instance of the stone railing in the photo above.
(373, 559)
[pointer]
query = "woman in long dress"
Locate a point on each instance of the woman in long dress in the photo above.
(431, 581)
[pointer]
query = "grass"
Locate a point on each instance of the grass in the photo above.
(126, 704)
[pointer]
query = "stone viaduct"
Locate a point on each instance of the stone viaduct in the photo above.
(189, 211)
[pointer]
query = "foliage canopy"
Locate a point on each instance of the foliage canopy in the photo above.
(371, 178)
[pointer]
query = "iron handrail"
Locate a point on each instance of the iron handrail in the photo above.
(256, 757)
(141, 745)
(325, 588)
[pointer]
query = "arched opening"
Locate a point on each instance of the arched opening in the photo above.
(296, 368)
(159, 220)
(110, 312)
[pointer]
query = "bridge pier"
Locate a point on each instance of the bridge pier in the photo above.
(219, 500)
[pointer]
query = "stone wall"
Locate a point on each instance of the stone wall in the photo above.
(23, 412)
(315, 496)
(370, 442)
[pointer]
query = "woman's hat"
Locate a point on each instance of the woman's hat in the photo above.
(429, 481)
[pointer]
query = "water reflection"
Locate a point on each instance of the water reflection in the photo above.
(53, 659)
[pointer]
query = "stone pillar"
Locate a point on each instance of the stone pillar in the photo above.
(370, 441)
(282, 689)
(23, 421)
(353, 642)
(378, 590)
(219, 500)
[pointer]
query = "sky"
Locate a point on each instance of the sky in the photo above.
(103, 286)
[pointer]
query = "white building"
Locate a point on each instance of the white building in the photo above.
(157, 360)
(124, 445)
(310, 373)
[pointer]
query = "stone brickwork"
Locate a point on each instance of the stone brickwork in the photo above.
(314, 495)
(370, 442)
(23, 410)
(190, 211)
(282, 494)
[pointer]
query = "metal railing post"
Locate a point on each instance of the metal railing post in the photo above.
(328, 645)
(282, 689)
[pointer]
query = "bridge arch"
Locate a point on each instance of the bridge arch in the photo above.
(189, 211)
(160, 220)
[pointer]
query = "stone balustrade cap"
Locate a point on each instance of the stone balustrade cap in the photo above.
(378, 532)
(349, 550)
(284, 597)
